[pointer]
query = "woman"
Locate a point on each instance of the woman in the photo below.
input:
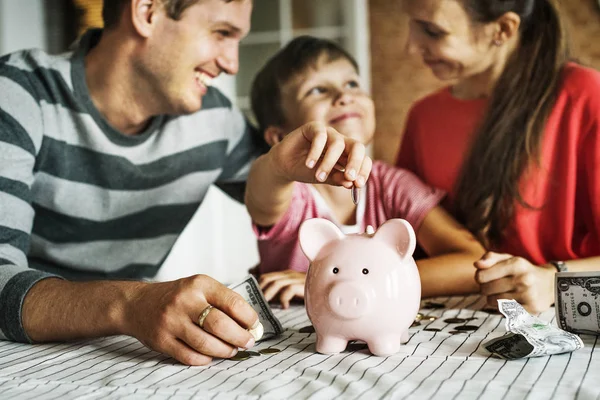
(515, 140)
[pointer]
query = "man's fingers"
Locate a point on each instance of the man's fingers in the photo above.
(498, 286)
(226, 335)
(183, 353)
(231, 304)
(287, 294)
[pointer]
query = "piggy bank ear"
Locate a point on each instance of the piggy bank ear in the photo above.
(315, 234)
(399, 234)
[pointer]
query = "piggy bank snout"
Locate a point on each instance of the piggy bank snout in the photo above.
(348, 300)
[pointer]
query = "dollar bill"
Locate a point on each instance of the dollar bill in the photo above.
(529, 336)
(577, 302)
(250, 291)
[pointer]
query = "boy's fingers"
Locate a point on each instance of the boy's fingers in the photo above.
(335, 148)
(356, 155)
(316, 135)
(365, 171)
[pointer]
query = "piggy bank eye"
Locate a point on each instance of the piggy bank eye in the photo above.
(365, 271)
(336, 270)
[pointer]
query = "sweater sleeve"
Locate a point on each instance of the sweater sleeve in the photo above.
(20, 138)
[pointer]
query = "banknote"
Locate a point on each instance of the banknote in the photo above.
(577, 302)
(529, 336)
(250, 291)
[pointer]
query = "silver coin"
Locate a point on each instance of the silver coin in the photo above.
(355, 193)
(269, 350)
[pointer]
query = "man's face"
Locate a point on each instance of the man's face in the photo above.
(182, 57)
(330, 92)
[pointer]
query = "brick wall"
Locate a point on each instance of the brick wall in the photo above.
(397, 80)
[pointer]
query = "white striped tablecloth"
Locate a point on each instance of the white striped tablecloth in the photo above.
(432, 365)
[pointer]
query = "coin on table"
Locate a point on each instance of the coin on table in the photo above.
(416, 323)
(269, 350)
(466, 327)
(307, 329)
(432, 329)
(456, 332)
(429, 318)
(419, 317)
(433, 305)
(240, 356)
(471, 318)
(253, 353)
(455, 320)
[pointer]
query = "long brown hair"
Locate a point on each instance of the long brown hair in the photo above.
(509, 137)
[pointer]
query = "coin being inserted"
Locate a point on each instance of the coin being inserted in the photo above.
(257, 332)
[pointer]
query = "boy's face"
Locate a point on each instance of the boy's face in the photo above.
(330, 93)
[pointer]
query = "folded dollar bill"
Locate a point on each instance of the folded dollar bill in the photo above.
(250, 291)
(578, 302)
(529, 336)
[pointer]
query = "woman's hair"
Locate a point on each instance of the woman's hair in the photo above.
(510, 135)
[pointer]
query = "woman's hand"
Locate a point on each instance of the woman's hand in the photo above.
(503, 276)
(287, 285)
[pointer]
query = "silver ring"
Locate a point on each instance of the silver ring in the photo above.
(203, 315)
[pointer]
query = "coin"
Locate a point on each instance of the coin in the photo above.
(456, 332)
(269, 350)
(433, 305)
(419, 317)
(471, 318)
(253, 353)
(429, 317)
(466, 327)
(240, 356)
(416, 323)
(455, 320)
(355, 193)
(432, 329)
(307, 329)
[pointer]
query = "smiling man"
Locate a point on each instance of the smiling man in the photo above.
(106, 154)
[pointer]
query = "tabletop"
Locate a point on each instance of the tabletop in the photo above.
(434, 364)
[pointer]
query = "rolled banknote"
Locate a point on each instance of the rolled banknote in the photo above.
(577, 302)
(250, 291)
(529, 336)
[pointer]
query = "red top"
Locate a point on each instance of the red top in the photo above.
(566, 186)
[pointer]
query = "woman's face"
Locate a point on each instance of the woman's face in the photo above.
(450, 43)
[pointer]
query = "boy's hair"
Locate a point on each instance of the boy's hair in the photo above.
(296, 57)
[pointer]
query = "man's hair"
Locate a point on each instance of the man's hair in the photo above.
(296, 57)
(113, 9)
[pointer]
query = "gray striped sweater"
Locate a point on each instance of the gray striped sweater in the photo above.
(80, 200)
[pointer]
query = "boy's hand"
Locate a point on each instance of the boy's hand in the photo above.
(287, 284)
(310, 154)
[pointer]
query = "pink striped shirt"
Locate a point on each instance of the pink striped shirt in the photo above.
(391, 192)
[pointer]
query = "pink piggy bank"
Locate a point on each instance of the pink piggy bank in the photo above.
(364, 287)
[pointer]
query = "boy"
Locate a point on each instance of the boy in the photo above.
(313, 79)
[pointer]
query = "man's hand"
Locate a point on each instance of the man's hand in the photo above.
(315, 153)
(287, 285)
(164, 316)
(503, 276)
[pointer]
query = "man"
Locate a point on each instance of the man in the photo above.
(106, 154)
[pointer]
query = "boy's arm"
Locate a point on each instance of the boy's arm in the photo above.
(452, 251)
(309, 155)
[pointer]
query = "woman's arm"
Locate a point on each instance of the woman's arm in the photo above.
(452, 250)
